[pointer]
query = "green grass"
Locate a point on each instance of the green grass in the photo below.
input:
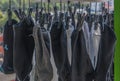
(117, 50)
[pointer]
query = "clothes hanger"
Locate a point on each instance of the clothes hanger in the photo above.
(82, 8)
(28, 18)
(78, 15)
(29, 12)
(24, 6)
(41, 17)
(61, 15)
(45, 14)
(65, 13)
(55, 14)
(54, 18)
(29, 1)
(48, 14)
(23, 14)
(73, 16)
(61, 6)
(49, 17)
(104, 16)
(81, 15)
(36, 13)
(108, 13)
(30, 9)
(82, 18)
(69, 15)
(74, 12)
(64, 7)
(90, 14)
(48, 6)
(69, 10)
(18, 12)
(99, 16)
(20, 7)
(95, 17)
(10, 13)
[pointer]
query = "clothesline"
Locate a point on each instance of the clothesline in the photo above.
(72, 0)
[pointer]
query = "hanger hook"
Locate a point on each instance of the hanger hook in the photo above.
(48, 6)
(9, 12)
(41, 3)
(19, 4)
(29, 3)
(23, 5)
(61, 5)
(10, 4)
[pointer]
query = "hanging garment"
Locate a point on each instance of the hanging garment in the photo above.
(86, 33)
(69, 32)
(106, 53)
(43, 68)
(111, 25)
(65, 74)
(23, 49)
(7, 65)
(55, 76)
(49, 46)
(59, 47)
(94, 41)
(82, 59)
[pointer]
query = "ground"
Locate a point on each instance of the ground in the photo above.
(3, 77)
(10, 77)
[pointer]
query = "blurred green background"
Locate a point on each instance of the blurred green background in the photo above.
(4, 5)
